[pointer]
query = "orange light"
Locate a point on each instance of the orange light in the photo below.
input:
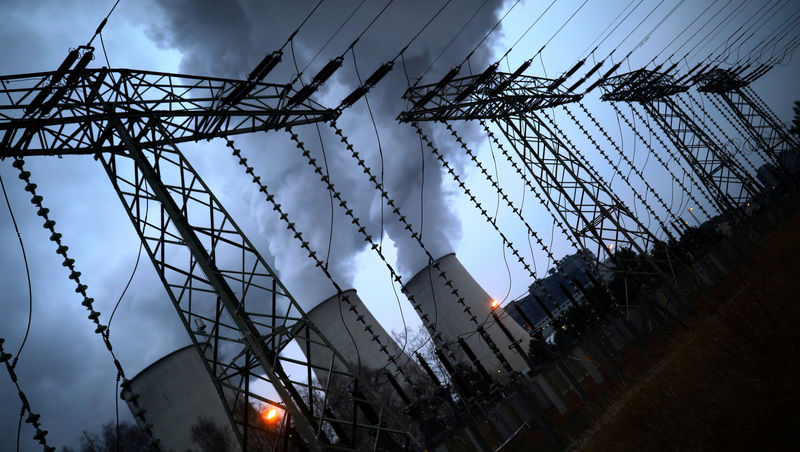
(270, 414)
(495, 304)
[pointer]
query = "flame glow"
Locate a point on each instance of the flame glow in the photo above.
(495, 304)
(270, 414)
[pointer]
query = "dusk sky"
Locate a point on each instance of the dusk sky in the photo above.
(64, 368)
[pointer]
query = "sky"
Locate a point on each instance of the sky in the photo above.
(64, 368)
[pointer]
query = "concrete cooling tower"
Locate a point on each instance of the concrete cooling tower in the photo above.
(342, 327)
(437, 300)
(175, 391)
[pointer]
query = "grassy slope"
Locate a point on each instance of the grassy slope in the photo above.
(731, 381)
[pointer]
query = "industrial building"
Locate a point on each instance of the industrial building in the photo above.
(370, 349)
(176, 391)
(550, 290)
(454, 321)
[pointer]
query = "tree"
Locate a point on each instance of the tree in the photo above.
(538, 351)
(131, 439)
(209, 437)
(796, 120)
(419, 341)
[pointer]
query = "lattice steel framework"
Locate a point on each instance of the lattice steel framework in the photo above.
(131, 121)
(595, 216)
(762, 127)
(729, 183)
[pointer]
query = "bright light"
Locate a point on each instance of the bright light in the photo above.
(691, 209)
(270, 414)
(611, 247)
(495, 304)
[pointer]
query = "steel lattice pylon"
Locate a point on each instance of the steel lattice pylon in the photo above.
(729, 183)
(595, 216)
(761, 126)
(131, 121)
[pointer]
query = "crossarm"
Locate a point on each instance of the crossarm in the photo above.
(36, 119)
(490, 95)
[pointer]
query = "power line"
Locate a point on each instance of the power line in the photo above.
(335, 33)
(705, 24)
(455, 36)
(685, 29)
(724, 43)
(528, 29)
(562, 26)
(103, 23)
(708, 37)
(609, 26)
(296, 30)
(759, 20)
(27, 273)
(424, 27)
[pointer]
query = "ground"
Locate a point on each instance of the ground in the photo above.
(729, 381)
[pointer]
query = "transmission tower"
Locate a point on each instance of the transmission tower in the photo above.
(728, 182)
(761, 126)
(131, 121)
(594, 215)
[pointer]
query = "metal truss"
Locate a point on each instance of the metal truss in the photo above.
(487, 96)
(595, 216)
(190, 108)
(238, 314)
(640, 86)
(727, 181)
(765, 130)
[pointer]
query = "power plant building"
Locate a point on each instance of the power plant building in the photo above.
(176, 391)
(440, 305)
(550, 289)
(358, 344)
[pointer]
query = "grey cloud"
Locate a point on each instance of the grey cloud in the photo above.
(229, 41)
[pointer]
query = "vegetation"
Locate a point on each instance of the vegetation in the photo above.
(130, 439)
(209, 437)
(728, 382)
(795, 129)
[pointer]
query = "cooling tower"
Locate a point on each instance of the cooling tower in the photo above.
(342, 327)
(175, 391)
(438, 302)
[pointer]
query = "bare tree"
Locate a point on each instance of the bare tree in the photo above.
(209, 437)
(130, 439)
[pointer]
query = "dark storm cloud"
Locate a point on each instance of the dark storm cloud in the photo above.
(230, 41)
(64, 369)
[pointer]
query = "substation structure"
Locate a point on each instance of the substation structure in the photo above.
(576, 195)
(241, 319)
(763, 130)
(236, 311)
(726, 179)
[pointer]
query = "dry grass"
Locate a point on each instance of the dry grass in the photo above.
(731, 381)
